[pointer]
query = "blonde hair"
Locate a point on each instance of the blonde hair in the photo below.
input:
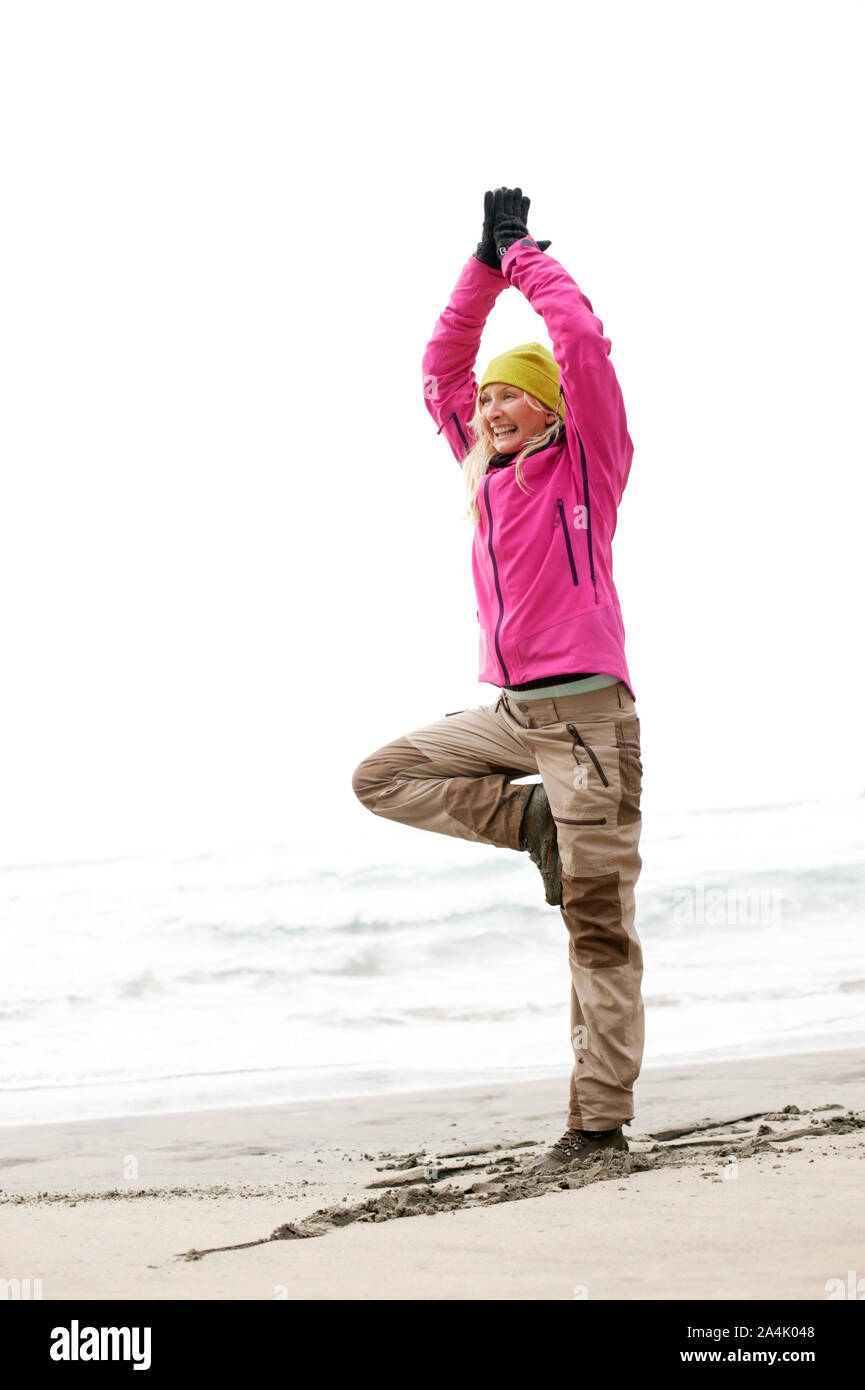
(477, 461)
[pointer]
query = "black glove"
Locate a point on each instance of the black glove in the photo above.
(505, 213)
(510, 211)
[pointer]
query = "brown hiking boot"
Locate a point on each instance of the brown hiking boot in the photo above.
(574, 1146)
(538, 836)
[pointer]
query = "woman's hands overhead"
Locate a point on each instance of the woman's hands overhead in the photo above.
(505, 214)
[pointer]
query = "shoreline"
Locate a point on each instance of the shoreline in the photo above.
(725, 1079)
(129, 1207)
(819, 1044)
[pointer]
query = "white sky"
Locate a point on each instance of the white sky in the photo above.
(231, 547)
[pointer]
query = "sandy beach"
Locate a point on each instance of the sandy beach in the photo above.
(743, 1181)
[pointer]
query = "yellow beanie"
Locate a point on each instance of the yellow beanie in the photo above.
(531, 367)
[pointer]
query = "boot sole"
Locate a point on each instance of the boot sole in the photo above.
(542, 838)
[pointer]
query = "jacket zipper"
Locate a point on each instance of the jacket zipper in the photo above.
(567, 541)
(487, 481)
(563, 820)
(578, 738)
(585, 475)
(453, 416)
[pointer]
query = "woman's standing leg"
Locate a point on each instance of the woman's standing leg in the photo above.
(606, 963)
(588, 754)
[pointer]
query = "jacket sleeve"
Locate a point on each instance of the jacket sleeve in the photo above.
(593, 398)
(449, 384)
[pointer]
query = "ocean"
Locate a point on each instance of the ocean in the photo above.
(405, 961)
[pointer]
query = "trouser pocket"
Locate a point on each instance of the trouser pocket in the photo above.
(580, 742)
(592, 774)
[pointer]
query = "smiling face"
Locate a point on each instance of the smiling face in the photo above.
(509, 419)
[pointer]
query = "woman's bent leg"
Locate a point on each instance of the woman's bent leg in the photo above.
(453, 777)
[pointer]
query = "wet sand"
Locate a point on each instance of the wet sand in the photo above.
(743, 1180)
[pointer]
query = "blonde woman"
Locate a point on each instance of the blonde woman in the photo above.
(545, 451)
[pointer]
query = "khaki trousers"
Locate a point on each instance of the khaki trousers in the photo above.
(455, 777)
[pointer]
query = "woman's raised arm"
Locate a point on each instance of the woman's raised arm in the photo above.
(593, 398)
(449, 385)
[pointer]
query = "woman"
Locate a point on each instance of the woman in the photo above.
(545, 450)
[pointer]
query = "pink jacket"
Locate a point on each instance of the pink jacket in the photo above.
(543, 565)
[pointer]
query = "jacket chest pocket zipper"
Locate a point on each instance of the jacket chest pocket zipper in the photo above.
(567, 537)
(578, 739)
(563, 820)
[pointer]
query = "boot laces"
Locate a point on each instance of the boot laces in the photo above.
(570, 1142)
